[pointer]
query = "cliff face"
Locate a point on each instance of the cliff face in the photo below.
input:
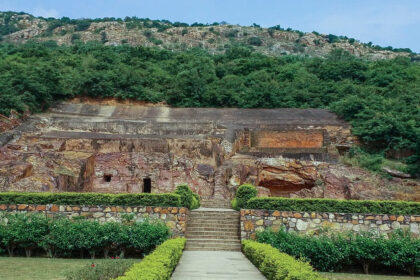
(215, 39)
(126, 148)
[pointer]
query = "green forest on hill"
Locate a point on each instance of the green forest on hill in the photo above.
(381, 99)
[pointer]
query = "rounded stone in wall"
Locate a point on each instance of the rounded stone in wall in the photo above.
(301, 225)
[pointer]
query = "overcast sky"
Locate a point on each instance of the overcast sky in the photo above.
(384, 22)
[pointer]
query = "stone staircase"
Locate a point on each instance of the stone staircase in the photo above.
(215, 203)
(213, 227)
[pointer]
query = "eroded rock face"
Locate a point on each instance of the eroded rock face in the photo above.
(120, 148)
(283, 177)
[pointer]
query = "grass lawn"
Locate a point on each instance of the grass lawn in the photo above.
(38, 268)
(352, 276)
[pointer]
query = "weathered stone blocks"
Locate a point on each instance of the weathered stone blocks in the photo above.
(174, 217)
(253, 221)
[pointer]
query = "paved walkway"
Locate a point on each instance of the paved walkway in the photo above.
(212, 265)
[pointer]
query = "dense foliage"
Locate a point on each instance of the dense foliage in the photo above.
(276, 265)
(101, 270)
(335, 205)
(188, 198)
(133, 199)
(333, 252)
(380, 99)
(160, 264)
(64, 237)
(243, 194)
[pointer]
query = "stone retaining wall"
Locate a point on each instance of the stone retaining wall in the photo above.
(174, 217)
(253, 221)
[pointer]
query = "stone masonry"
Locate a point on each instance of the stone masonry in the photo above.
(174, 217)
(253, 221)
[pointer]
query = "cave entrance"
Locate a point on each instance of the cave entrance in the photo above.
(284, 188)
(147, 185)
(107, 178)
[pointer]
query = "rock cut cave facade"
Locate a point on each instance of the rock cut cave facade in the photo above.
(132, 148)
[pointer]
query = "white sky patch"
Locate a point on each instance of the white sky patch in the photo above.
(385, 24)
(41, 12)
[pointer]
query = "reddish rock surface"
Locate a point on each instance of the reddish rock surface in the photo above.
(121, 148)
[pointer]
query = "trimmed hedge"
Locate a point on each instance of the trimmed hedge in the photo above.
(189, 199)
(335, 206)
(160, 264)
(244, 193)
(276, 265)
(133, 199)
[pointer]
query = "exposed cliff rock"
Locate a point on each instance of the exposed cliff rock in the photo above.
(118, 148)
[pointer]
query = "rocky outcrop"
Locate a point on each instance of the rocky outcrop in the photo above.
(130, 149)
(211, 38)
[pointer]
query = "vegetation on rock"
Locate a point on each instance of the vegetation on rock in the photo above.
(215, 37)
(379, 98)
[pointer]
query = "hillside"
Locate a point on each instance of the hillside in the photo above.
(215, 38)
(379, 97)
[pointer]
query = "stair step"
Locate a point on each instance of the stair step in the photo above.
(211, 227)
(217, 222)
(212, 230)
(213, 215)
(213, 249)
(215, 239)
(207, 222)
(214, 243)
(209, 236)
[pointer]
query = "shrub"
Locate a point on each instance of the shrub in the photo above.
(140, 199)
(255, 41)
(24, 231)
(325, 253)
(188, 198)
(332, 252)
(147, 235)
(159, 264)
(234, 204)
(60, 241)
(104, 269)
(75, 37)
(367, 248)
(336, 206)
(82, 25)
(245, 193)
(62, 237)
(276, 265)
(115, 237)
(403, 251)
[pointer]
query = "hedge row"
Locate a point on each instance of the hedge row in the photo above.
(137, 199)
(276, 265)
(334, 206)
(160, 264)
(65, 237)
(336, 251)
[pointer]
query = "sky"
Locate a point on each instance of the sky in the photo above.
(383, 22)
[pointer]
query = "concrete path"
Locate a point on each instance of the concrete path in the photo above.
(215, 265)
